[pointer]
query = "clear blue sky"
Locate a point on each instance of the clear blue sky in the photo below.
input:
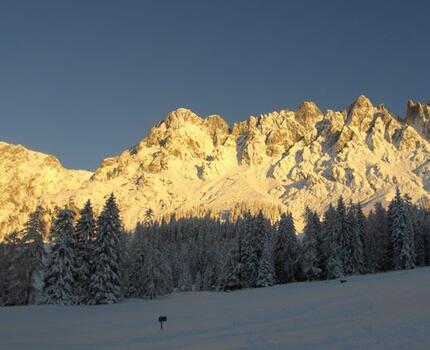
(84, 80)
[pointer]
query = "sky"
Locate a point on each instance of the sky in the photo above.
(84, 80)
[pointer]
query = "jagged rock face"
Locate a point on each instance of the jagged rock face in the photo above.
(285, 158)
(308, 114)
(29, 178)
(418, 116)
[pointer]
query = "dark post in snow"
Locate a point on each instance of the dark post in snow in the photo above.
(162, 319)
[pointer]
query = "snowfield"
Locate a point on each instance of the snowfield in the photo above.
(383, 311)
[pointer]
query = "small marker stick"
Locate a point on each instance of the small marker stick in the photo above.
(162, 319)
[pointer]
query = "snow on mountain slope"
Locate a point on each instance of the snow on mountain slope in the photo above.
(28, 178)
(383, 311)
(284, 158)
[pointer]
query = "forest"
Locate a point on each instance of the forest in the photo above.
(84, 259)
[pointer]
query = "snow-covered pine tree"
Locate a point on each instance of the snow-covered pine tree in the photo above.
(135, 271)
(249, 252)
(266, 268)
(211, 277)
(355, 228)
(330, 250)
(198, 282)
(15, 291)
(261, 232)
(286, 250)
(124, 261)
(185, 283)
(401, 232)
(417, 218)
(157, 275)
(230, 278)
(346, 237)
(310, 249)
(256, 231)
(362, 242)
(378, 225)
(419, 237)
(105, 285)
(84, 258)
(371, 245)
(34, 254)
(334, 267)
(59, 271)
(426, 230)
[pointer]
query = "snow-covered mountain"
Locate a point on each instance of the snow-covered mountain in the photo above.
(284, 158)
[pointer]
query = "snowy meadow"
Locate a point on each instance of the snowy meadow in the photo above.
(381, 311)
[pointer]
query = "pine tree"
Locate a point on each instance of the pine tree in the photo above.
(349, 246)
(105, 285)
(34, 254)
(426, 230)
(330, 249)
(58, 279)
(198, 282)
(211, 278)
(157, 275)
(83, 264)
(14, 279)
(310, 249)
(249, 252)
(286, 250)
(124, 261)
(356, 228)
(401, 233)
(371, 245)
(185, 282)
(7, 254)
(334, 267)
(266, 268)
(419, 242)
(378, 224)
(417, 220)
(136, 287)
(261, 232)
(149, 217)
(230, 273)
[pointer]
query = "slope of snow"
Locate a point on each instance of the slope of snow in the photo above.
(384, 311)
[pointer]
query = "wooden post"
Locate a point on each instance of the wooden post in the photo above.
(162, 319)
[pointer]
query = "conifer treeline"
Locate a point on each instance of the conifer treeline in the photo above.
(94, 261)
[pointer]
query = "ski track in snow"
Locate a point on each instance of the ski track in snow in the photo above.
(382, 311)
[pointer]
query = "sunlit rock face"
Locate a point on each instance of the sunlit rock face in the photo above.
(187, 163)
(418, 116)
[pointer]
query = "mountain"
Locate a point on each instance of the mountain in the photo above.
(29, 178)
(283, 159)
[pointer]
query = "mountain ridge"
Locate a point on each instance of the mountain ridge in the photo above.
(283, 158)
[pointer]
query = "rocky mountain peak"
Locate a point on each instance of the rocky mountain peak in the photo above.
(181, 116)
(307, 114)
(360, 113)
(217, 123)
(418, 116)
(218, 129)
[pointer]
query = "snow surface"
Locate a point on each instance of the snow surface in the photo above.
(383, 311)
